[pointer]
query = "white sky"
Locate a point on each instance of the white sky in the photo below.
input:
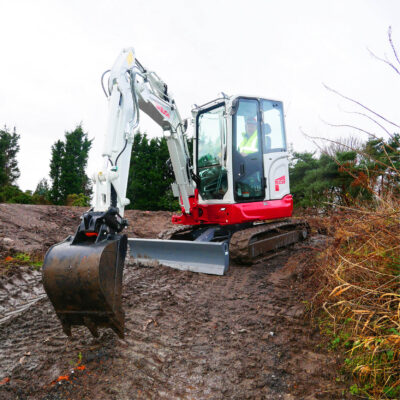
(54, 52)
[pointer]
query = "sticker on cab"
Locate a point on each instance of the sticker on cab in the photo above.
(279, 181)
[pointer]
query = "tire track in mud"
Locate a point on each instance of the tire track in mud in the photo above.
(30, 333)
(188, 336)
(20, 335)
(19, 292)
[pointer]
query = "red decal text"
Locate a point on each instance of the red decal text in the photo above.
(162, 111)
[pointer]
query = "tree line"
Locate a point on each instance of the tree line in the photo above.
(345, 174)
(69, 183)
(340, 174)
(150, 177)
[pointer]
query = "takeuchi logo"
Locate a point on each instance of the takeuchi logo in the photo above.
(162, 110)
(279, 181)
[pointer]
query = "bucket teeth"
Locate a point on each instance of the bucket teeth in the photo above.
(118, 328)
(91, 326)
(66, 328)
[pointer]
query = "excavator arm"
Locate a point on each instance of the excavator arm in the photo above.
(82, 275)
(131, 89)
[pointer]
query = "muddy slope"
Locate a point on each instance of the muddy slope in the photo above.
(34, 228)
(188, 336)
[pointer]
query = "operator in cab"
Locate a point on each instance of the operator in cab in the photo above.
(250, 185)
(249, 143)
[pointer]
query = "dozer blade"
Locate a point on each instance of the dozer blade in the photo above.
(84, 281)
(206, 257)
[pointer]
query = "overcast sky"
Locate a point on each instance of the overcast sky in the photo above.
(54, 52)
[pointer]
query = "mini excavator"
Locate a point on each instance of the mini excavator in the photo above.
(234, 197)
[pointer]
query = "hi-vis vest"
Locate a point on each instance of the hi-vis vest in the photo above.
(249, 145)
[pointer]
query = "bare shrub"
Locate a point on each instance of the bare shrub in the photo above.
(359, 273)
(361, 295)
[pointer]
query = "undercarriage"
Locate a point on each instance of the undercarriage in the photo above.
(208, 249)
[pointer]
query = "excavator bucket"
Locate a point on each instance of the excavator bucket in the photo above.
(83, 282)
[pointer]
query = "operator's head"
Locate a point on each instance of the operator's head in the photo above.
(251, 125)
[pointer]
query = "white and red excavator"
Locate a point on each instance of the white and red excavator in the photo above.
(234, 196)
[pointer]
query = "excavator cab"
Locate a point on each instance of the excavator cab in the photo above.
(240, 151)
(240, 162)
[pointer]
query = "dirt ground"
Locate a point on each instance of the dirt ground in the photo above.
(188, 336)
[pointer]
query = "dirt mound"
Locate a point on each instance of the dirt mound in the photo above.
(34, 228)
(188, 336)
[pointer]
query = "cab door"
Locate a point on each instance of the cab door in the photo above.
(210, 151)
(248, 173)
(275, 155)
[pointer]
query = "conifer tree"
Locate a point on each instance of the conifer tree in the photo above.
(67, 166)
(57, 193)
(42, 188)
(73, 178)
(9, 147)
(150, 178)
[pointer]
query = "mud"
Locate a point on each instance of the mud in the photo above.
(188, 336)
(34, 228)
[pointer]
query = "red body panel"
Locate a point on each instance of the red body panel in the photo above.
(228, 214)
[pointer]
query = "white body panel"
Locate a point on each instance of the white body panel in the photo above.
(276, 173)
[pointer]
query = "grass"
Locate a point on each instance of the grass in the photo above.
(27, 259)
(11, 262)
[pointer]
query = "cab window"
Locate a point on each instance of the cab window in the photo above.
(211, 146)
(273, 128)
(247, 155)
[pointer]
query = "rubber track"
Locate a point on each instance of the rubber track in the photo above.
(240, 240)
